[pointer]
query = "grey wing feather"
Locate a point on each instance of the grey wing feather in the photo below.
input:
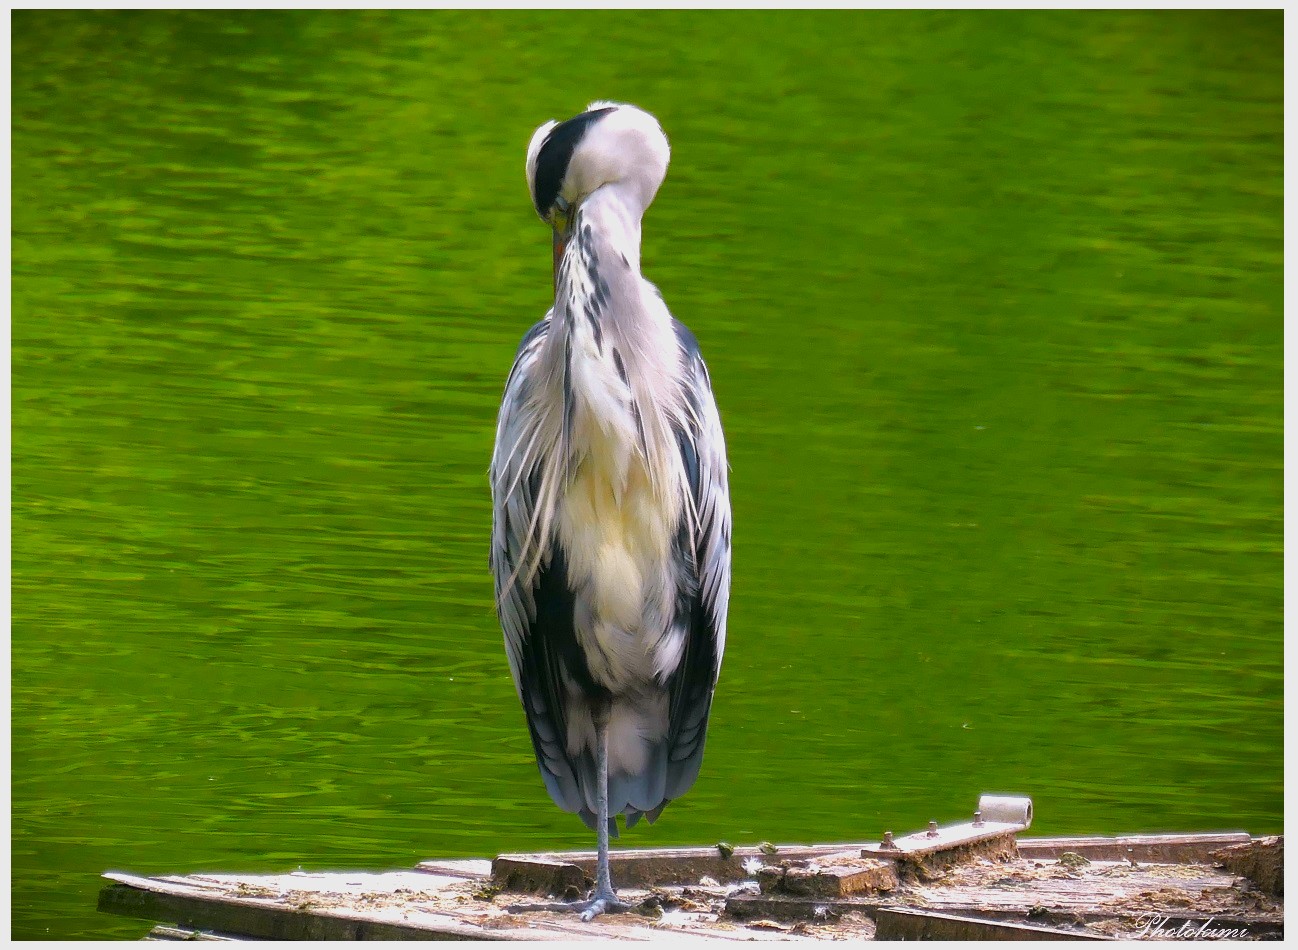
(513, 497)
(521, 570)
(704, 543)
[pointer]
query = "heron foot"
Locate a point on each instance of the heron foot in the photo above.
(606, 904)
(588, 909)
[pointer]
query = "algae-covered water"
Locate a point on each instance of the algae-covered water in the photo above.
(993, 308)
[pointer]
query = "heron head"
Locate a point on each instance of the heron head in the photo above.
(608, 145)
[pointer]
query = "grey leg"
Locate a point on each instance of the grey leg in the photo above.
(604, 899)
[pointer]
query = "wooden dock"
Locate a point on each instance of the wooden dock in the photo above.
(1140, 886)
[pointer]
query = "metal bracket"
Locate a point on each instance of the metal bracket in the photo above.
(997, 820)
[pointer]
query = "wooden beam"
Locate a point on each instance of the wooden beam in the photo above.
(647, 867)
(1261, 861)
(457, 867)
(362, 905)
(838, 875)
(897, 924)
(536, 874)
(1146, 849)
(197, 908)
(1115, 883)
(163, 932)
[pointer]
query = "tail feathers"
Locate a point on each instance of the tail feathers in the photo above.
(633, 816)
(681, 775)
(562, 786)
(641, 790)
(588, 819)
(643, 794)
(645, 773)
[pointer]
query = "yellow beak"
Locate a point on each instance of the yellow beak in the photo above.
(560, 245)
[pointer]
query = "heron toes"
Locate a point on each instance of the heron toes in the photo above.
(588, 909)
(607, 904)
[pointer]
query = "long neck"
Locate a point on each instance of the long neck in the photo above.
(613, 213)
(611, 354)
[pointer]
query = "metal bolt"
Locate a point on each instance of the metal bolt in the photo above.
(932, 829)
(978, 818)
(887, 840)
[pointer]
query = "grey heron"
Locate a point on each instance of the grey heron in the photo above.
(610, 541)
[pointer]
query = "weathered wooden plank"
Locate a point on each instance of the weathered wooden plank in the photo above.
(1126, 924)
(1106, 887)
(966, 837)
(198, 907)
(1183, 926)
(554, 873)
(533, 874)
(927, 863)
(1154, 849)
(1261, 861)
(898, 924)
(457, 867)
(649, 867)
(163, 932)
(836, 875)
(377, 906)
(1047, 893)
(1164, 878)
(793, 908)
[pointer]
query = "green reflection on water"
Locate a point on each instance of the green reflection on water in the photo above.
(992, 304)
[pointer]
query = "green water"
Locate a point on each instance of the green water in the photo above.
(993, 309)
